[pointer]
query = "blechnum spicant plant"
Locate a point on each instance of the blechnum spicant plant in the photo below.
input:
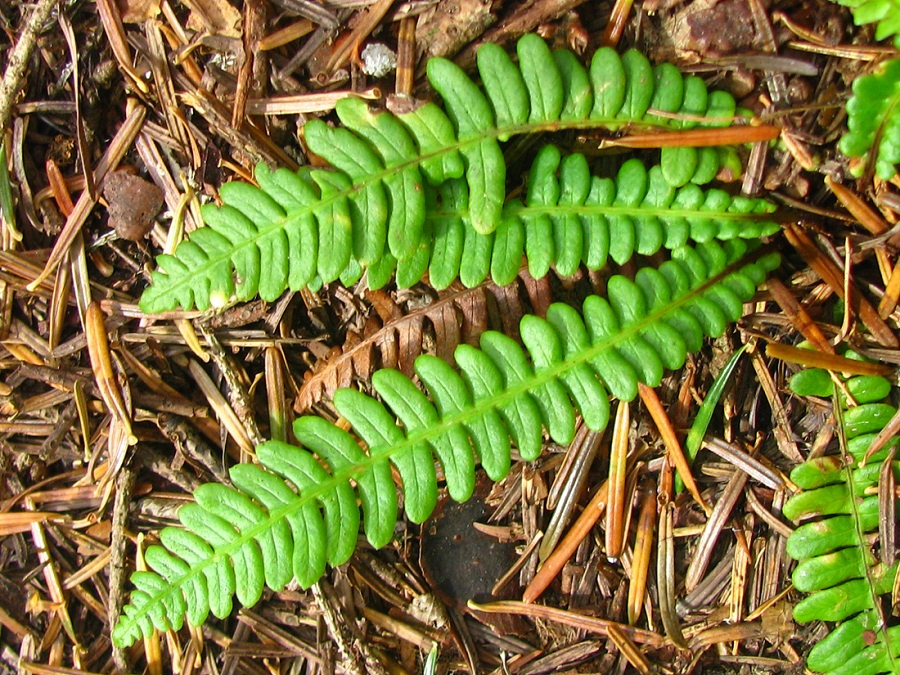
(848, 578)
(424, 191)
(297, 510)
(409, 191)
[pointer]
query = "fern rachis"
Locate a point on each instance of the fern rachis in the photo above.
(690, 293)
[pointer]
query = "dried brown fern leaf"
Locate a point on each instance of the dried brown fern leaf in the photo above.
(458, 315)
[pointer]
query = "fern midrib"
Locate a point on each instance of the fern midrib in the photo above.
(376, 178)
(478, 408)
(861, 536)
(614, 210)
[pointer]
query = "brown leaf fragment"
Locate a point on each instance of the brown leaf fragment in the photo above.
(138, 11)
(459, 315)
(133, 204)
(218, 17)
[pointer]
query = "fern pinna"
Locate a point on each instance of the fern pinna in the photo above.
(873, 120)
(886, 13)
(371, 211)
(844, 577)
(297, 511)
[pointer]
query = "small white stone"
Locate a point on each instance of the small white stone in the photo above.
(378, 59)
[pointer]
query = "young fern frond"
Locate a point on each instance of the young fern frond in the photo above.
(837, 567)
(873, 120)
(297, 512)
(316, 225)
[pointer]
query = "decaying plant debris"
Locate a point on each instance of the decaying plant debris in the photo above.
(111, 418)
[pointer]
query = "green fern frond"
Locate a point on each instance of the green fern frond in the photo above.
(297, 512)
(874, 120)
(568, 218)
(837, 567)
(315, 226)
(885, 12)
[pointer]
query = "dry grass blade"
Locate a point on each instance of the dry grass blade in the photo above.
(115, 32)
(60, 607)
(643, 547)
(568, 486)
(286, 35)
(98, 348)
(588, 623)
(579, 530)
(745, 462)
(739, 566)
(798, 315)
(814, 359)
(665, 576)
(722, 511)
(299, 104)
(275, 395)
(401, 629)
(616, 24)
(695, 138)
(887, 510)
(217, 402)
(673, 446)
(629, 650)
(406, 57)
(865, 215)
(12, 523)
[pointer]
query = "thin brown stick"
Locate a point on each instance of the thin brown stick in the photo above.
(696, 138)
(834, 277)
(580, 529)
(588, 623)
(13, 77)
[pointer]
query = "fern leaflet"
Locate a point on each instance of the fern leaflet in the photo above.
(264, 532)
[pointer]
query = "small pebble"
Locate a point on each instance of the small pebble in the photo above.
(133, 204)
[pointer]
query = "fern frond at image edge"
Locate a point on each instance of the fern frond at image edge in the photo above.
(843, 578)
(873, 121)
